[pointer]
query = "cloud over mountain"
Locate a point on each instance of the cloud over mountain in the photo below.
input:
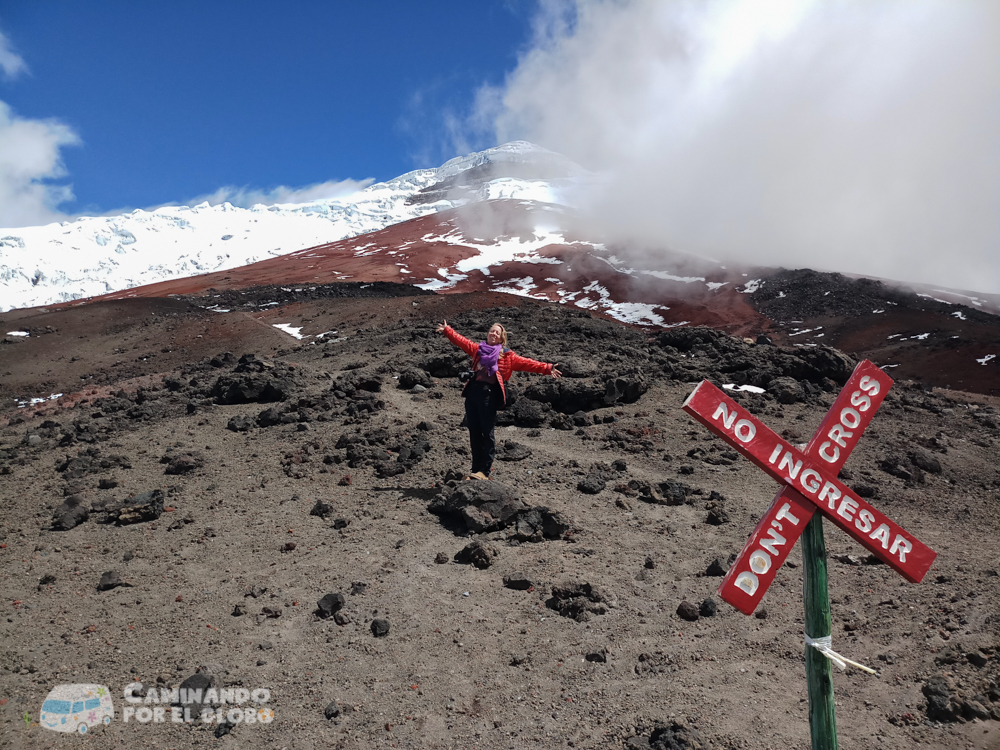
(862, 137)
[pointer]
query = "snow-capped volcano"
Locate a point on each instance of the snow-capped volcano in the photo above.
(97, 255)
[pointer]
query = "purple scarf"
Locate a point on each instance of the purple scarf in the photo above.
(489, 357)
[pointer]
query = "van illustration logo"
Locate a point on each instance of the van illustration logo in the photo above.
(76, 708)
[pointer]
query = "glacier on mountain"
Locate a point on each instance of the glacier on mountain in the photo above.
(97, 255)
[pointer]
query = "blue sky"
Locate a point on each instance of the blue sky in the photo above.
(862, 137)
(174, 100)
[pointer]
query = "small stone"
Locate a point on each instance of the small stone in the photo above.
(716, 568)
(708, 608)
(517, 581)
(687, 611)
(761, 614)
(441, 558)
(321, 509)
(111, 580)
(976, 659)
(239, 610)
(591, 484)
(478, 554)
(332, 710)
(380, 627)
(330, 604)
(649, 563)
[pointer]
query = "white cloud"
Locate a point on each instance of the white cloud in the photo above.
(853, 136)
(29, 159)
(11, 63)
(245, 197)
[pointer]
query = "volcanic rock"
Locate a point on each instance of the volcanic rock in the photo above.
(478, 506)
(716, 568)
(321, 509)
(578, 601)
(412, 376)
(539, 523)
(111, 580)
(185, 463)
(524, 413)
(688, 611)
(511, 451)
(591, 484)
(145, 507)
(786, 390)
(70, 514)
(330, 604)
(254, 380)
(478, 554)
(517, 581)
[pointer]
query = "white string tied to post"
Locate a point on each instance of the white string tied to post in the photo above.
(824, 644)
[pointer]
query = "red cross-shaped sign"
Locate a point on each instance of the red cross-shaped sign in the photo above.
(811, 483)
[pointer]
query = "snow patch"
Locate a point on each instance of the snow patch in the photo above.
(34, 401)
(289, 329)
(748, 388)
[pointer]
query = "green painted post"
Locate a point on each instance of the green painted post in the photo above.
(819, 670)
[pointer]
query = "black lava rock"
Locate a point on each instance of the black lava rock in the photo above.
(478, 506)
(330, 604)
(478, 554)
(591, 484)
(70, 514)
(578, 601)
(142, 508)
(716, 568)
(240, 423)
(517, 581)
(321, 509)
(688, 611)
(111, 580)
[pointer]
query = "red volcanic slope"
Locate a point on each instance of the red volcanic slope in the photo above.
(548, 264)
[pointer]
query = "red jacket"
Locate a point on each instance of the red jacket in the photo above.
(507, 364)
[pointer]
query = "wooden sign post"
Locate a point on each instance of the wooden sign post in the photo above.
(810, 479)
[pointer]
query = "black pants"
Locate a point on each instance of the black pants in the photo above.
(481, 399)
